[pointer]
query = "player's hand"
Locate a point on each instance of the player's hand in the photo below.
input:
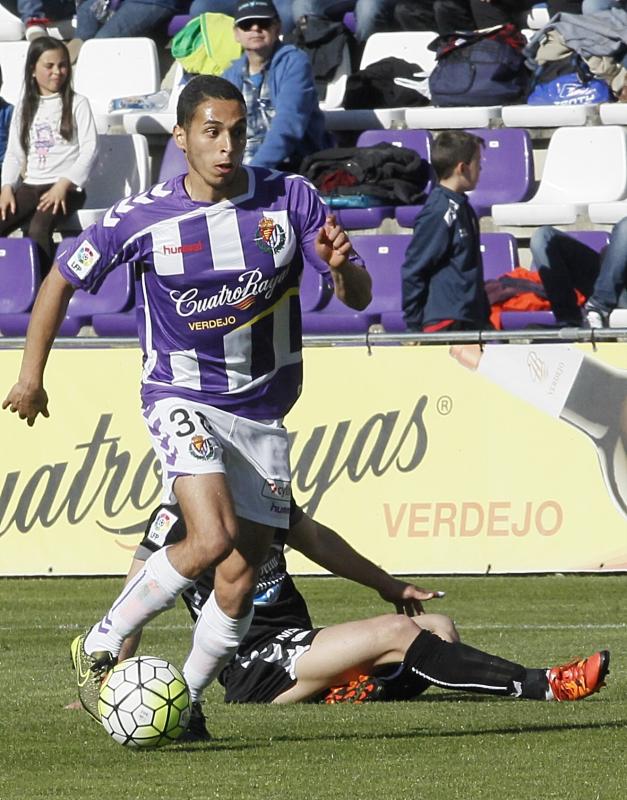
(27, 403)
(407, 598)
(7, 202)
(332, 243)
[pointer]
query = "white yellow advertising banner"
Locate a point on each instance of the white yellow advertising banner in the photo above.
(422, 464)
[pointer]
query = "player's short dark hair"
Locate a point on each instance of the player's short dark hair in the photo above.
(451, 147)
(201, 88)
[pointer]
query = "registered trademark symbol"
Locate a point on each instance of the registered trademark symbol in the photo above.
(444, 405)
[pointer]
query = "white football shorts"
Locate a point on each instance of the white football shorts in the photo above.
(192, 438)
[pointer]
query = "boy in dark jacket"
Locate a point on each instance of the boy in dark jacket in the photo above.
(443, 271)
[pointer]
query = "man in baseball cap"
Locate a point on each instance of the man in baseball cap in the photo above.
(284, 121)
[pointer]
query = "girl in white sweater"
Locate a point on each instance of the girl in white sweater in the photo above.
(51, 148)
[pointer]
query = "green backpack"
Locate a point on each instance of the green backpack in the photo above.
(206, 45)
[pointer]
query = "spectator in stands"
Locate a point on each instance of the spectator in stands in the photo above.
(567, 265)
(37, 14)
(497, 12)
(594, 6)
(284, 120)
(6, 111)
(52, 144)
(447, 16)
(107, 19)
(283, 7)
(371, 15)
(443, 271)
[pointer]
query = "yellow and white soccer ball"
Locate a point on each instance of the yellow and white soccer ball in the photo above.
(144, 702)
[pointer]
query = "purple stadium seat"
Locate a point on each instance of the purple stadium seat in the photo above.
(508, 152)
(515, 320)
(350, 20)
(507, 173)
(499, 252)
(177, 23)
(114, 295)
(315, 291)
(173, 161)
(123, 324)
(383, 256)
(19, 275)
(418, 140)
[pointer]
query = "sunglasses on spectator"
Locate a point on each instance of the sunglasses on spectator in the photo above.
(264, 23)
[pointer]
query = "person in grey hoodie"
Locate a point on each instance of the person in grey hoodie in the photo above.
(284, 119)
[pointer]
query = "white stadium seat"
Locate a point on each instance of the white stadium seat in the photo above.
(11, 27)
(607, 213)
(409, 45)
(110, 68)
(12, 62)
(122, 168)
(158, 121)
(583, 166)
(532, 116)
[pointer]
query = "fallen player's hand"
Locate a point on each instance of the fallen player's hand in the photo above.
(407, 598)
(27, 403)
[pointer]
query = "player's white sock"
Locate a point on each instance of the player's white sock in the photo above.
(216, 638)
(152, 590)
(541, 374)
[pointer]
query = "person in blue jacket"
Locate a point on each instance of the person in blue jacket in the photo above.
(284, 120)
(442, 275)
(6, 112)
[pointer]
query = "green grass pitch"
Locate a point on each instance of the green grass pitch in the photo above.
(445, 746)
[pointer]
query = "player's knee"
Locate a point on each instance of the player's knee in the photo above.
(397, 629)
(209, 545)
(442, 625)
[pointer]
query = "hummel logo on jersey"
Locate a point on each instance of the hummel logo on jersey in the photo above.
(173, 249)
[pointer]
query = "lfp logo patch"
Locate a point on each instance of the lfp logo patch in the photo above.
(84, 259)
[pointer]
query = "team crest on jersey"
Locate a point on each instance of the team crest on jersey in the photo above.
(270, 236)
(202, 448)
(84, 259)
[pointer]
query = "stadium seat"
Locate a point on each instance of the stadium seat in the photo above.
(607, 213)
(107, 69)
(12, 63)
(507, 171)
(383, 255)
(20, 277)
(362, 218)
(122, 168)
(516, 320)
(436, 118)
(410, 45)
(157, 121)
(583, 166)
(11, 27)
(555, 116)
(499, 252)
(334, 96)
(173, 161)
(114, 295)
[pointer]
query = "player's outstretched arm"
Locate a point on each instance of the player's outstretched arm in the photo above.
(327, 548)
(28, 397)
(352, 283)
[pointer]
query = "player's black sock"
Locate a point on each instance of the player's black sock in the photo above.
(458, 666)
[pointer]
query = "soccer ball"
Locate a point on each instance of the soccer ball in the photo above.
(144, 702)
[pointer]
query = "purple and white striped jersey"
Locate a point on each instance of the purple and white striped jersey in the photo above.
(216, 287)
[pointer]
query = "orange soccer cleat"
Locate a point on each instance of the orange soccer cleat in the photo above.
(579, 679)
(364, 689)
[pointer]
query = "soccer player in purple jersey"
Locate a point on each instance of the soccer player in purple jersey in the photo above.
(218, 254)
